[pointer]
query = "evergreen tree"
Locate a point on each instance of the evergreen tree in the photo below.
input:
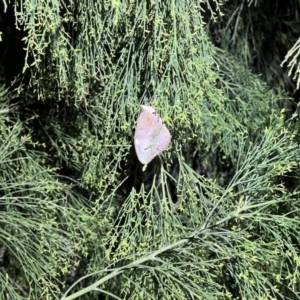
(216, 216)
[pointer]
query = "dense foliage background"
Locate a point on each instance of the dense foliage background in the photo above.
(216, 216)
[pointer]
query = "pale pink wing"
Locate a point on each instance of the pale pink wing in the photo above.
(151, 136)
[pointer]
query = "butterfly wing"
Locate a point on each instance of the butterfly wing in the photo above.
(151, 135)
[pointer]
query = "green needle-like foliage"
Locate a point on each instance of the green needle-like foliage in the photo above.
(262, 35)
(216, 216)
(42, 219)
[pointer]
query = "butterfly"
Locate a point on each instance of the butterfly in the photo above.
(152, 136)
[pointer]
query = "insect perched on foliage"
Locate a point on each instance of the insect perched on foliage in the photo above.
(152, 136)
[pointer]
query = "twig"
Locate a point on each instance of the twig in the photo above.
(236, 22)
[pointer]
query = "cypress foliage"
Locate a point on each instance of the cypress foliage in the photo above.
(216, 216)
